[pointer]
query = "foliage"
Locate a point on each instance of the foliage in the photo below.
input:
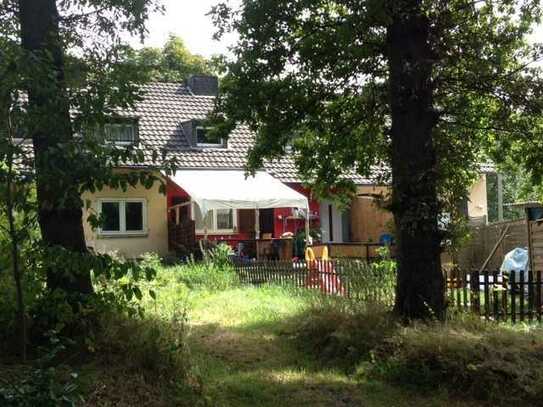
(33, 285)
(153, 367)
(338, 112)
(46, 384)
(55, 90)
(413, 92)
(487, 362)
(118, 288)
(465, 357)
(159, 350)
(518, 186)
(172, 63)
(374, 283)
(220, 256)
(214, 273)
(342, 332)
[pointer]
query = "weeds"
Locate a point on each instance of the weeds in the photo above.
(465, 357)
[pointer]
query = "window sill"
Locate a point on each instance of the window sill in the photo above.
(121, 235)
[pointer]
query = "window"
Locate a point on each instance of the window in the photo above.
(204, 140)
(217, 220)
(123, 216)
(120, 133)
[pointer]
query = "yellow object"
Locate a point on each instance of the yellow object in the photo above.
(309, 254)
(325, 253)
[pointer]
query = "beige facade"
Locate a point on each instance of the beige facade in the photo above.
(477, 200)
(369, 221)
(154, 236)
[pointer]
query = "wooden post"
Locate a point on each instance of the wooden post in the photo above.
(307, 237)
(257, 224)
(502, 236)
(500, 197)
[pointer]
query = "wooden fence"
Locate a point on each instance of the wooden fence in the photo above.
(490, 294)
(497, 296)
(346, 277)
(484, 238)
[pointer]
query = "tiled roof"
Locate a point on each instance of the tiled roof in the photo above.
(165, 106)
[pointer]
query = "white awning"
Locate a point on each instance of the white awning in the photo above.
(230, 189)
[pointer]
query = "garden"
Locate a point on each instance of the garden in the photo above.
(196, 334)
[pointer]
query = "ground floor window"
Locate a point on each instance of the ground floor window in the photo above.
(216, 220)
(123, 216)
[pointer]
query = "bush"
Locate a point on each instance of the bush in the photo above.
(342, 332)
(214, 273)
(46, 383)
(478, 360)
(153, 347)
(466, 357)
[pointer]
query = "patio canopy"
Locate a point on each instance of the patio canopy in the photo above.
(230, 189)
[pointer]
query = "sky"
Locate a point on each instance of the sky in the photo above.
(188, 20)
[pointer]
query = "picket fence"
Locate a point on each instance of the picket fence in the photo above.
(490, 294)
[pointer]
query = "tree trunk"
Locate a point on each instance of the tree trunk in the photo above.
(16, 270)
(60, 213)
(420, 286)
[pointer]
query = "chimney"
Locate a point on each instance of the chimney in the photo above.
(203, 85)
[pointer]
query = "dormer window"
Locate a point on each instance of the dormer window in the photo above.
(121, 133)
(203, 138)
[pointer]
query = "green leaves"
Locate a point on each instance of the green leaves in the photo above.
(314, 75)
(172, 63)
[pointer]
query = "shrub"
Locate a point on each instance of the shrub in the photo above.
(466, 357)
(214, 273)
(220, 256)
(342, 332)
(478, 360)
(46, 383)
(153, 347)
(144, 361)
(151, 260)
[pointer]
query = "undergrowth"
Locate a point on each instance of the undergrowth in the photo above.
(467, 357)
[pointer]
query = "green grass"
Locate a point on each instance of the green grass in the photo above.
(243, 351)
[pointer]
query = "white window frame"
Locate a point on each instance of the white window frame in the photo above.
(122, 143)
(213, 229)
(122, 217)
(220, 144)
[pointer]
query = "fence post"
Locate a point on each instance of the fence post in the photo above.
(495, 298)
(474, 287)
(538, 295)
(522, 295)
(530, 295)
(486, 287)
(513, 299)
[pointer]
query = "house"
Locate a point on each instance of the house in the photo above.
(210, 196)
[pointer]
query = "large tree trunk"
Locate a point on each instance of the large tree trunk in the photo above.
(60, 213)
(420, 288)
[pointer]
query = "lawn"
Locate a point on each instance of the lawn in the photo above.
(243, 351)
(205, 340)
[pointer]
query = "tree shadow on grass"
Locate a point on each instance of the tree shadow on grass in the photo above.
(260, 364)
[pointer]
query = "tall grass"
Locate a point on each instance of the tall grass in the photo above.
(466, 357)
